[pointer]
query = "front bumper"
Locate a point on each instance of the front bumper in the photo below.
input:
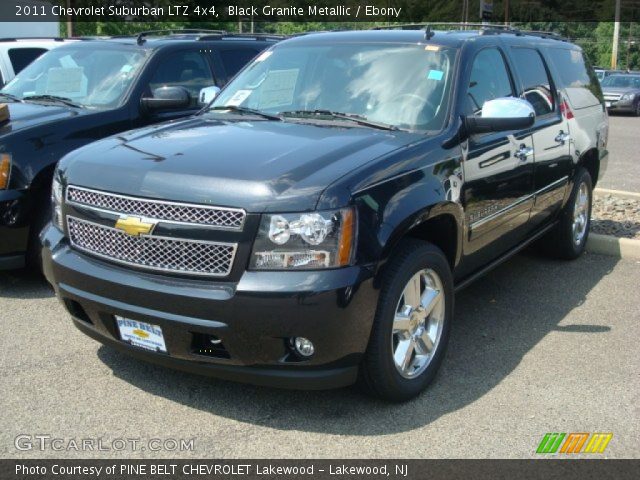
(14, 228)
(620, 105)
(253, 318)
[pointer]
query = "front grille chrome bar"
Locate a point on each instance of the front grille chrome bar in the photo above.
(162, 254)
(169, 212)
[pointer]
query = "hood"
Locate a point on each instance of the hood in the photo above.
(255, 165)
(26, 115)
(618, 90)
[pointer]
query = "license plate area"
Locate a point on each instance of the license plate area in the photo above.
(141, 334)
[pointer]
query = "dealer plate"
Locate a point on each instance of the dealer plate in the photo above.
(607, 104)
(141, 334)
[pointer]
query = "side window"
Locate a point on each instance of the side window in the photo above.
(21, 57)
(233, 60)
(489, 80)
(535, 79)
(183, 69)
(578, 80)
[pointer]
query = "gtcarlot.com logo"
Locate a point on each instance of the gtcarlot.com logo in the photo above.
(43, 442)
(574, 443)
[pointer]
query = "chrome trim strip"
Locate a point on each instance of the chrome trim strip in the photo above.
(155, 269)
(153, 201)
(521, 200)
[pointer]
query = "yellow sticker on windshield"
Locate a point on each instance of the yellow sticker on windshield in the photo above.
(432, 48)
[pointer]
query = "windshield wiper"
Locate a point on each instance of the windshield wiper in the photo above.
(248, 111)
(10, 97)
(352, 117)
(53, 98)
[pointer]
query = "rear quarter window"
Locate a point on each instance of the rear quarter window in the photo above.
(577, 78)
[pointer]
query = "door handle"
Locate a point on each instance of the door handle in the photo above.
(523, 153)
(562, 137)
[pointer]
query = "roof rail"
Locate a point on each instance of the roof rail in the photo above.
(15, 39)
(141, 36)
(249, 36)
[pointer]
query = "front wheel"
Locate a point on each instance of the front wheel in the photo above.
(412, 323)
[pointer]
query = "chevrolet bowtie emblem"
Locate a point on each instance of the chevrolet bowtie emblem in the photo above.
(134, 226)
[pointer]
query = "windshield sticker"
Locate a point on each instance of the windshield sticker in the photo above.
(432, 48)
(278, 88)
(239, 97)
(66, 82)
(68, 62)
(435, 75)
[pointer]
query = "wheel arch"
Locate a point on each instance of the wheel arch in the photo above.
(590, 160)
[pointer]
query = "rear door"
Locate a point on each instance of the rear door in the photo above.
(498, 167)
(551, 136)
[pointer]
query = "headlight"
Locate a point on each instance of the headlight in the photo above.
(626, 96)
(57, 193)
(305, 241)
(5, 170)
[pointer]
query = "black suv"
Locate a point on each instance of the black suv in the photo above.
(88, 90)
(311, 226)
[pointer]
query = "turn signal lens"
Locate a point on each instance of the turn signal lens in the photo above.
(5, 169)
(345, 247)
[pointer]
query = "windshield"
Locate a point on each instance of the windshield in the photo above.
(403, 86)
(622, 81)
(95, 77)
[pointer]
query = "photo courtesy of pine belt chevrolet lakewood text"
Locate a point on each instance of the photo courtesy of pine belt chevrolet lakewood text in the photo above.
(310, 226)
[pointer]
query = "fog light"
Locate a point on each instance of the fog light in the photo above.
(303, 346)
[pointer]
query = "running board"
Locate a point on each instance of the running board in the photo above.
(510, 253)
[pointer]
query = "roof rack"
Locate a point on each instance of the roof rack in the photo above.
(141, 36)
(15, 39)
(484, 28)
(240, 36)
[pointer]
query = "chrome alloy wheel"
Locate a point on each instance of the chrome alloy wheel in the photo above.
(580, 213)
(417, 325)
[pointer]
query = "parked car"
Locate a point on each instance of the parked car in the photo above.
(89, 90)
(622, 93)
(17, 53)
(603, 73)
(311, 226)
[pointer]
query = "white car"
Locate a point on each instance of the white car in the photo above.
(17, 53)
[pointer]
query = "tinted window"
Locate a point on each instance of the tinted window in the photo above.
(576, 77)
(535, 79)
(489, 80)
(21, 57)
(183, 69)
(234, 60)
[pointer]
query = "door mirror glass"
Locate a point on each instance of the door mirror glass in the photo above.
(502, 114)
(167, 98)
(207, 95)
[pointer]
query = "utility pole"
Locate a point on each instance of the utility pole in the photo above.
(616, 37)
(506, 12)
(69, 22)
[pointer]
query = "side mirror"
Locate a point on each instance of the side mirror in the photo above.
(207, 95)
(502, 114)
(167, 98)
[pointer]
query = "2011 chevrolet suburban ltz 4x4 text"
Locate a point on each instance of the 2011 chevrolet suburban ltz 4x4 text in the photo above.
(310, 227)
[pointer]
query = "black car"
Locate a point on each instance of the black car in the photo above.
(88, 90)
(311, 226)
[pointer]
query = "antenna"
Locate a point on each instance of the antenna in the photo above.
(428, 33)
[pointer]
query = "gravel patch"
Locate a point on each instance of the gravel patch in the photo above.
(616, 216)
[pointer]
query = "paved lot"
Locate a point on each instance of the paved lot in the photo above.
(538, 346)
(623, 172)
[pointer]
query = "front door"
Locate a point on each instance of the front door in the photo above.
(498, 168)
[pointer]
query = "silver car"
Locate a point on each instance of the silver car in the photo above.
(622, 93)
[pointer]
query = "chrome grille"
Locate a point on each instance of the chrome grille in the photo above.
(612, 97)
(193, 257)
(219, 217)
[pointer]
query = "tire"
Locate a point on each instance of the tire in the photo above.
(42, 217)
(636, 110)
(380, 376)
(562, 242)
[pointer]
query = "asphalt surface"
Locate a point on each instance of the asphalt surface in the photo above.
(623, 172)
(537, 346)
